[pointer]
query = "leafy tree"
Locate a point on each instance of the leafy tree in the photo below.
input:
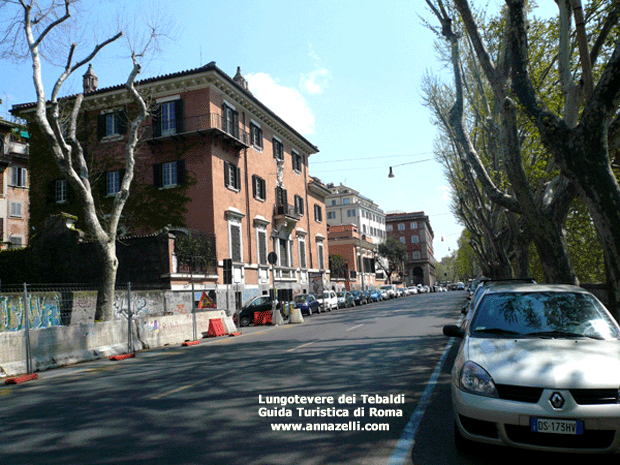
(395, 252)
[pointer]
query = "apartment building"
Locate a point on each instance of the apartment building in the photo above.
(13, 185)
(359, 270)
(415, 231)
(213, 160)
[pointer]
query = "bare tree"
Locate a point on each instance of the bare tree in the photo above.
(37, 24)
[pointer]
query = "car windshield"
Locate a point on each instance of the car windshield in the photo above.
(542, 314)
(300, 299)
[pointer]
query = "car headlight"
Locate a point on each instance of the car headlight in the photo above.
(475, 380)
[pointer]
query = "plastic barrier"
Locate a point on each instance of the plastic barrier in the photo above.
(216, 328)
(262, 318)
(122, 357)
(190, 343)
(21, 379)
(296, 316)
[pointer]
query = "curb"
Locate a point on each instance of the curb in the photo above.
(122, 357)
(21, 379)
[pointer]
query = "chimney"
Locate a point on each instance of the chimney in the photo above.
(239, 79)
(89, 81)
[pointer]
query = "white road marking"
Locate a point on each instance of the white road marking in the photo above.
(354, 327)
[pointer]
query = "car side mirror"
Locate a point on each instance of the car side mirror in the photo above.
(464, 310)
(453, 331)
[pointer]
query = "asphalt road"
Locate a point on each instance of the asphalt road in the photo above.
(202, 404)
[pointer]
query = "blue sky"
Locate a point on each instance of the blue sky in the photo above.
(345, 73)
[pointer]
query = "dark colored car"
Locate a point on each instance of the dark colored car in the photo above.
(360, 297)
(307, 303)
(261, 303)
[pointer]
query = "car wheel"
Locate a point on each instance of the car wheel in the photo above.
(244, 321)
(318, 309)
(462, 444)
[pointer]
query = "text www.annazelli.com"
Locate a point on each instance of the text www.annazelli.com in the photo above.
(347, 426)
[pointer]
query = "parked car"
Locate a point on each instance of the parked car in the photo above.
(413, 290)
(307, 303)
(329, 301)
(538, 368)
(346, 300)
(360, 297)
(260, 303)
(376, 295)
(390, 289)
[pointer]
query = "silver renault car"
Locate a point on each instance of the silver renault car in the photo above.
(538, 368)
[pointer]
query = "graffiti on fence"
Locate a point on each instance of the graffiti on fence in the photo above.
(142, 304)
(44, 311)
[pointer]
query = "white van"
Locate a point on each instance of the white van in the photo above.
(329, 301)
(390, 289)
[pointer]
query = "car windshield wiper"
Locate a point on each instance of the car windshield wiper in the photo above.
(562, 334)
(497, 331)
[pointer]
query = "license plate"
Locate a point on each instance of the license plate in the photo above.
(556, 426)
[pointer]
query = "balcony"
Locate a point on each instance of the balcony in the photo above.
(286, 216)
(211, 123)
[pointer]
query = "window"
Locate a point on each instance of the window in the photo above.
(350, 213)
(259, 188)
(111, 124)
(299, 205)
(284, 253)
(318, 213)
(278, 149)
(169, 174)
(415, 255)
(261, 239)
(402, 240)
(230, 122)
(60, 191)
(113, 181)
(256, 133)
(346, 201)
(232, 176)
(415, 239)
(389, 228)
(331, 215)
(281, 196)
(168, 118)
(18, 177)
(15, 241)
(321, 255)
(234, 232)
(401, 226)
(16, 209)
(334, 202)
(297, 161)
(414, 225)
(302, 253)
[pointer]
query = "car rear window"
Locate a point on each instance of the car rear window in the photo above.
(542, 314)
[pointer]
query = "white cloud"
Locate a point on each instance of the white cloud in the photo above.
(315, 81)
(288, 103)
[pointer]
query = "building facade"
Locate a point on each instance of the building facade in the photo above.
(346, 206)
(14, 185)
(415, 231)
(214, 161)
(357, 268)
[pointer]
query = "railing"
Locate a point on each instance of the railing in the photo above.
(287, 210)
(203, 123)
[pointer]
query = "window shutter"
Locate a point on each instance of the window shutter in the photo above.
(238, 177)
(254, 186)
(101, 126)
(121, 116)
(178, 114)
(158, 181)
(156, 121)
(226, 173)
(262, 248)
(302, 254)
(180, 172)
(235, 243)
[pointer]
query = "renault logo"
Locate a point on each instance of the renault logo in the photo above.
(556, 400)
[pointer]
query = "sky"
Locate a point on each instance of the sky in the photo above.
(346, 74)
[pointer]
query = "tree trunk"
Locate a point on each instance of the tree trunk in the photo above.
(109, 267)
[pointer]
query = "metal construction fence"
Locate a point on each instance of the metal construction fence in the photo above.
(49, 325)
